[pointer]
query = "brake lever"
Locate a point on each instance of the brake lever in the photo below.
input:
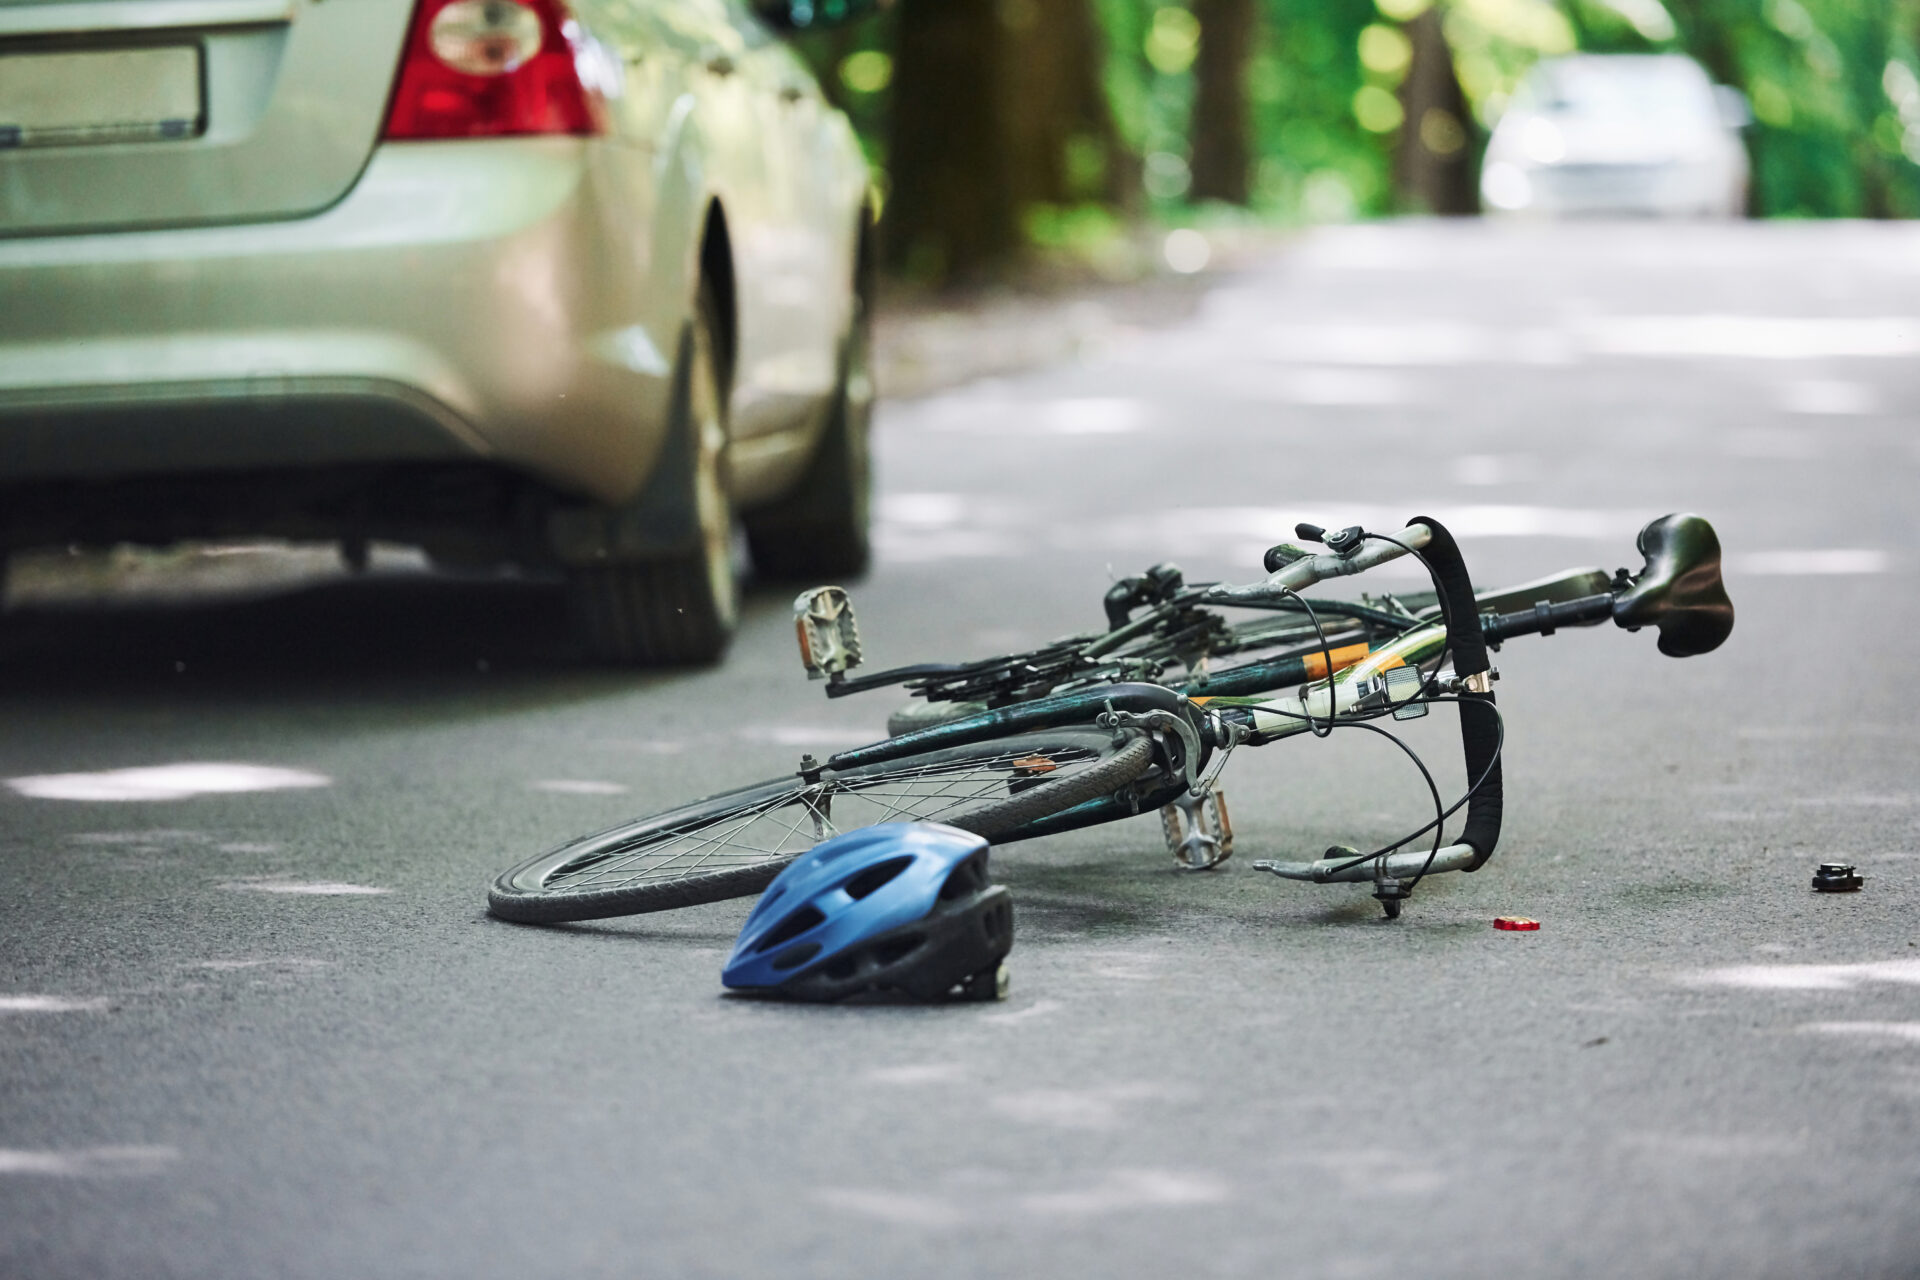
(1157, 585)
(1303, 568)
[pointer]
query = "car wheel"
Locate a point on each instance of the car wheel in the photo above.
(819, 530)
(680, 608)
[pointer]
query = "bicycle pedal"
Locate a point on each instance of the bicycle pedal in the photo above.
(829, 636)
(1199, 832)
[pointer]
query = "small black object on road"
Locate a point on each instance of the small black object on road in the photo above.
(1836, 877)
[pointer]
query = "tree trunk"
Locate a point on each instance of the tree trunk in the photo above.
(1705, 39)
(997, 105)
(951, 213)
(1221, 151)
(1056, 104)
(1433, 170)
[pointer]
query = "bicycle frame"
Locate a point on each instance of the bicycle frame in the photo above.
(1317, 699)
(1152, 744)
(1679, 591)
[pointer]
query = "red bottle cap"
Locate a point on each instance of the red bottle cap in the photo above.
(1519, 924)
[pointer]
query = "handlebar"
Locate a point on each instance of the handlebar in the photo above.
(1545, 618)
(1678, 590)
(1298, 568)
(1479, 723)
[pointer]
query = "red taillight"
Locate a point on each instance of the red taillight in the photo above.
(486, 68)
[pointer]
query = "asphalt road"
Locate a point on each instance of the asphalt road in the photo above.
(254, 1021)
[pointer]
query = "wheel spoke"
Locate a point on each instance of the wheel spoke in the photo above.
(722, 832)
(787, 823)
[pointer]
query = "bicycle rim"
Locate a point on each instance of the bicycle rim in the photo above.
(735, 843)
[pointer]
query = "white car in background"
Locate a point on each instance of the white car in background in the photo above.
(570, 284)
(1627, 134)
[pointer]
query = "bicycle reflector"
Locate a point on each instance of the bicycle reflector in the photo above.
(829, 636)
(1403, 685)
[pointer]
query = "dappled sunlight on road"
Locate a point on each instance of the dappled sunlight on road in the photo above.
(165, 782)
(1810, 977)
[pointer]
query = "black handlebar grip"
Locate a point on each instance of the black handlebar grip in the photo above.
(1544, 618)
(1464, 638)
(1479, 723)
(1480, 743)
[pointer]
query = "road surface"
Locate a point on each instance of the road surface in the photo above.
(254, 1021)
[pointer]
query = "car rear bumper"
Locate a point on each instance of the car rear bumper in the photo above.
(1632, 189)
(470, 300)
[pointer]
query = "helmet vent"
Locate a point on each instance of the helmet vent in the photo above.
(874, 876)
(794, 957)
(790, 928)
(894, 950)
(967, 878)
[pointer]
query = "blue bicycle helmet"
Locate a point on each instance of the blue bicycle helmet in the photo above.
(902, 907)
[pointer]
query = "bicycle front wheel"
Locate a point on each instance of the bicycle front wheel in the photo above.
(735, 843)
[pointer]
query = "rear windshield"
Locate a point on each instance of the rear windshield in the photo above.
(1673, 90)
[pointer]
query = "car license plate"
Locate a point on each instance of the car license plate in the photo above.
(76, 98)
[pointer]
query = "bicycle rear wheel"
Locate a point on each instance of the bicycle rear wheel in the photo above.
(735, 843)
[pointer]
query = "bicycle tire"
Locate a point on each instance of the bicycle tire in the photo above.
(688, 855)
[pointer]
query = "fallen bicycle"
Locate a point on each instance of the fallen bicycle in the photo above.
(1141, 718)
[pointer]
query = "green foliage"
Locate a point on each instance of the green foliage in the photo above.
(1834, 87)
(1316, 158)
(1149, 79)
(1835, 100)
(855, 68)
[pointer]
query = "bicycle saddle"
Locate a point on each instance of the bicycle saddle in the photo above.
(1679, 591)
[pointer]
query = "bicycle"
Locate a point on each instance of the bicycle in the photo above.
(1106, 725)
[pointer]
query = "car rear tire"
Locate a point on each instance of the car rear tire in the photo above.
(820, 529)
(681, 608)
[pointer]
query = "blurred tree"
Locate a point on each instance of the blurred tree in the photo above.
(1067, 150)
(951, 209)
(1222, 159)
(998, 107)
(1837, 130)
(1002, 123)
(1318, 139)
(1433, 169)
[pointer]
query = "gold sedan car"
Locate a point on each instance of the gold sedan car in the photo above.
(570, 284)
